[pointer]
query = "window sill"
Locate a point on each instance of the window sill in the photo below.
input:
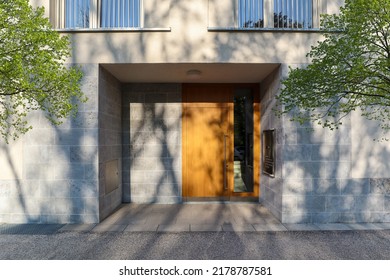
(104, 30)
(238, 29)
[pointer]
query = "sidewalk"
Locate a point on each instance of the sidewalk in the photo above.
(193, 217)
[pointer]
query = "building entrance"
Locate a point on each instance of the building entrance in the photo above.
(221, 142)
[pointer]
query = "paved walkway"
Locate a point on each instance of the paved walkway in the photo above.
(192, 217)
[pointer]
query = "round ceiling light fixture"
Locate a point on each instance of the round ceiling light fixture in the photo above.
(194, 74)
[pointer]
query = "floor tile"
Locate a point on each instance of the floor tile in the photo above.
(173, 228)
(363, 226)
(141, 228)
(383, 225)
(77, 227)
(269, 227)
(333, 227)
(205, 227)
(108, 228)
(238, 228)
(301, 227)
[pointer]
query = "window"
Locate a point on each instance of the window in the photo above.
(293, 14)
(251, 13)
(77, 13)
(120, 13)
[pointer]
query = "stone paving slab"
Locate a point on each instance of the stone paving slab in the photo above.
(77, 227)
(301, 227)
(333, 227)
(187, 217)
(174, 228)
(108, 228)
(238, 227)
(383, 225)
(205, 228)
(141, 228)
(269, 227)
(363, 226)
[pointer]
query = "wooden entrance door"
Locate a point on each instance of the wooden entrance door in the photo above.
(208, 143)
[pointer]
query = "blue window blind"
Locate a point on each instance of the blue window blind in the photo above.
(77, 13)
(120, 13)
(250, 13)
(293, 14)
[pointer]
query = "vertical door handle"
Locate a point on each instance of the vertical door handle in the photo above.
(225, 163)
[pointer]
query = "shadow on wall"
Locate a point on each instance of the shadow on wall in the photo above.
(323, 186)
(151, 143)
(52, 173)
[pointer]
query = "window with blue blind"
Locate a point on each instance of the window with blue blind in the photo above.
(120, 13)
(77, 13)
(250, 13)
(293, 14)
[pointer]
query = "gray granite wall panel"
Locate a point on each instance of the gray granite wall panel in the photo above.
(58, 178)
(151, 122)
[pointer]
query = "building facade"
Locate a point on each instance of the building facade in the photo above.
(181, 99)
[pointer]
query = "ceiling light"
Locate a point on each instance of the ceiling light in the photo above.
(194, 74)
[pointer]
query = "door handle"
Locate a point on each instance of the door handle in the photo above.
(225, 163)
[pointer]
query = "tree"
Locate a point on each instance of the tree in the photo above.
(349, 69)
(33, 74)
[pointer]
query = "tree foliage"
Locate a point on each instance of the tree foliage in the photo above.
(33, 74)
(349, 69)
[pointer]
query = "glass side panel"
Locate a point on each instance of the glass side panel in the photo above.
(77, 13)
(243, 140)
(120, 13)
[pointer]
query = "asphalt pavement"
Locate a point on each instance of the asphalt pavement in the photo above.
(286, 245)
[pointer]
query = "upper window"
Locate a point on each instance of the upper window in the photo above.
(293, 14)
(251, 13)
(77, 13)
(120, 13)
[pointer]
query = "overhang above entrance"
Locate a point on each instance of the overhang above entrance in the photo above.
(191, 72)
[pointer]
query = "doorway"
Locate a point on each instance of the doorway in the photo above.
(221, 142)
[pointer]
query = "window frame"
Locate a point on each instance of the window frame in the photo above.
(225, 17)
(58, 18)
(140, 15)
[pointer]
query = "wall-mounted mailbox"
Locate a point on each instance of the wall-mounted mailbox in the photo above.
(269, 152)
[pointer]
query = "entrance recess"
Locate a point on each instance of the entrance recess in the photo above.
(221, 142)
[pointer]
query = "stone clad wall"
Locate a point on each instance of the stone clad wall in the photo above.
(271, 191)
(110, 143)
(52, 172)
(318, 179)
(152, 143)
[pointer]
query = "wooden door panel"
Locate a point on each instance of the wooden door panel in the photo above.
(206, 112)
(208, 115)
(205, 151)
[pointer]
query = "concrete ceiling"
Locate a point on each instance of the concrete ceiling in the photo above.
(178, 72)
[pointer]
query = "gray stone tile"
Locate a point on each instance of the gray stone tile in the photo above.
(269, 227)
(77, 227)
(382, 225)
(333, 227)
(173, 228)
(363, 226)
(238, 227)
(108, 228)
(301, 227)
(205, 228)
(141, 228)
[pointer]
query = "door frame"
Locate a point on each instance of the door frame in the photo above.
(233, 196)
